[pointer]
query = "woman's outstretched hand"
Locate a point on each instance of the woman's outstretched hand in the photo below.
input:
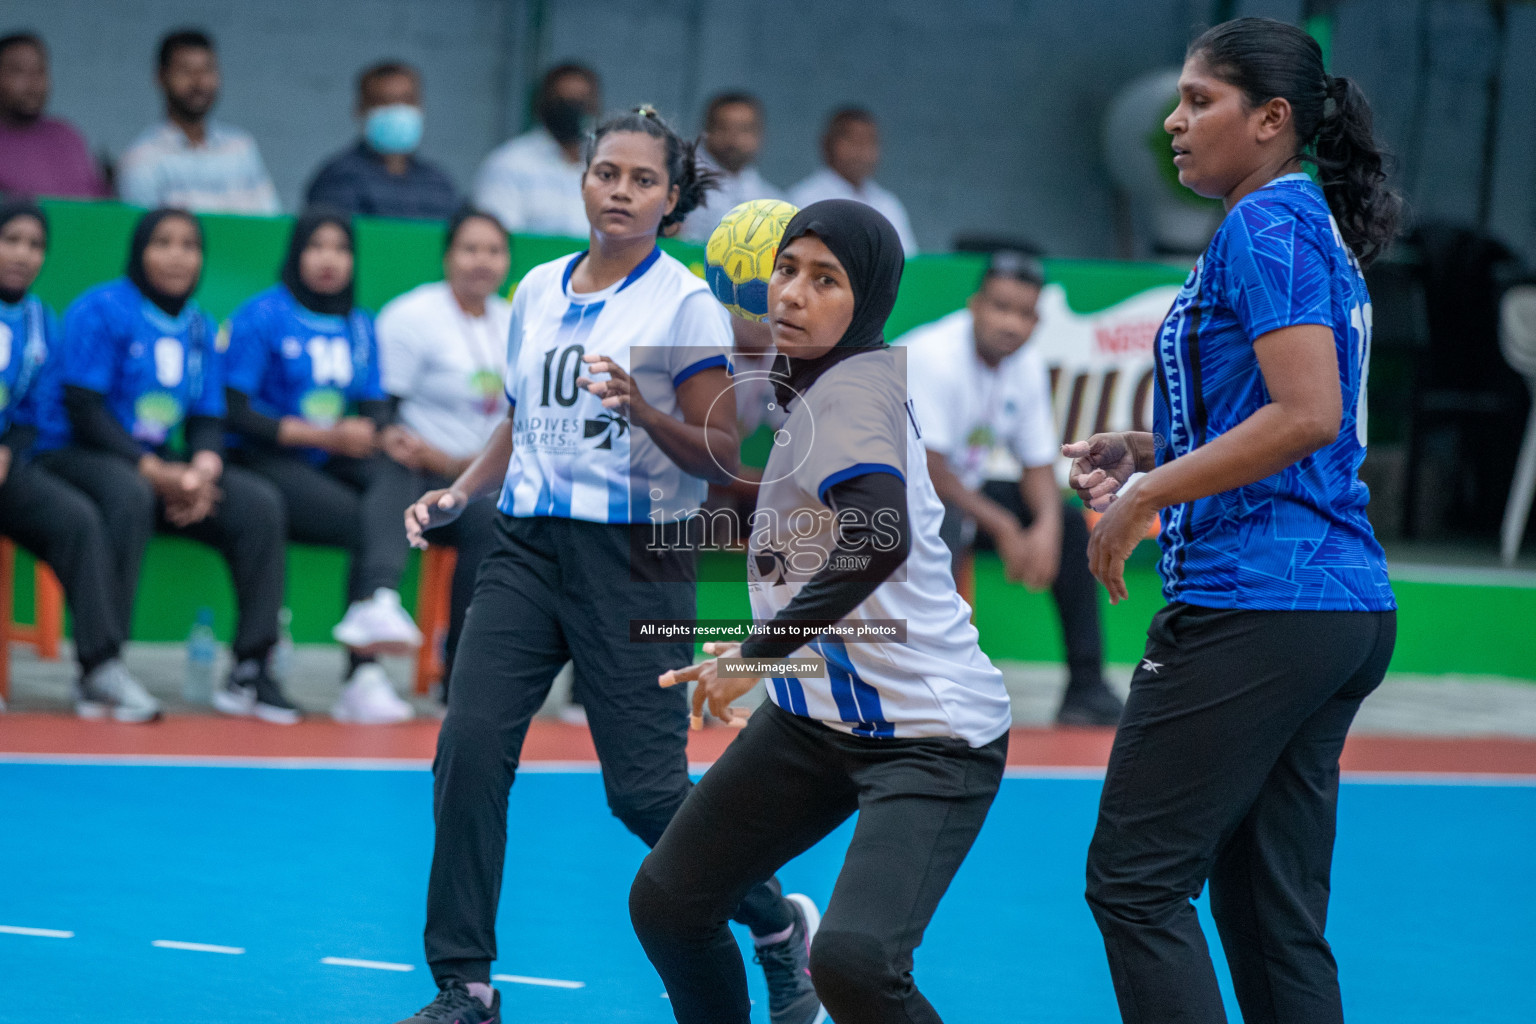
(713, 690)
(431, 510)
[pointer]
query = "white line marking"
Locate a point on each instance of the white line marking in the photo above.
(373, 965)
(198, 947)
(41, 933)
(521, 979)
(1464, 575)
(1404, 778)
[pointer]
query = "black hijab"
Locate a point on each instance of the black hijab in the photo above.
(870, 251)
(310, 221)
(142, 232)
(10, 211)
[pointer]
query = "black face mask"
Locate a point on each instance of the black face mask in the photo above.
(565, 119)
(869, 249)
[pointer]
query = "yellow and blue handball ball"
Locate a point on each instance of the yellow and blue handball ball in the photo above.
(738, 260)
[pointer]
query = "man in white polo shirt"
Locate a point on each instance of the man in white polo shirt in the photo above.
(977, 386)
(190, 160)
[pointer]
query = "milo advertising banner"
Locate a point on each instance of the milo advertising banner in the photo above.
(1100, 356)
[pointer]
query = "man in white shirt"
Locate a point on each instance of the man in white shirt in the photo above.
(533, 182)
(733, 136)
(977, 387)
(189, 160)
(850, 148)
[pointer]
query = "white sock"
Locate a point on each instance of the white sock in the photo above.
(482, 992)
(760, 941)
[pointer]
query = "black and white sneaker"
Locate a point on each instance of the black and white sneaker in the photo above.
(1092, 705)
(250, 691)
(454, 1005)
(787, 968)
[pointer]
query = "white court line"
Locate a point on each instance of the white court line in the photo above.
(373, 965)
(521, 979)
(198, 947)
(40, 933)
(1398, 778)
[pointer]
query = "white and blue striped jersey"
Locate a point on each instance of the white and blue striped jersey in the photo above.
(857, 419)
(570, 456)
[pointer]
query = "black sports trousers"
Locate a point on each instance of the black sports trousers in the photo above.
(354, 504)
(1075, 591)
(555, 590)
(778, 789)
(61, 526)
(247, 527)
(1226, 769)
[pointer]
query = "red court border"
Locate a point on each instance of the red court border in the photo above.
(201, 737)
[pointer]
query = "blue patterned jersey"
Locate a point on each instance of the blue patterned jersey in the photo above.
(292, 361)
(29, 349)
(1297, 540)
(154, 369)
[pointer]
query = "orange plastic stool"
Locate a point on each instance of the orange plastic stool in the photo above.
(49, 608)
(433, 591)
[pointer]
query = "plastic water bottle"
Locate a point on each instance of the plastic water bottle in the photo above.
(202, 652)
(282, 654)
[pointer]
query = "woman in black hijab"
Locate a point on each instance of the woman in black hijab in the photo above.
(38, 510)
(144, 393)
(911, 731)
(305, 411)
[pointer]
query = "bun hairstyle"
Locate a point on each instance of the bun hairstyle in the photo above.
(1268, 59)
(683, 168)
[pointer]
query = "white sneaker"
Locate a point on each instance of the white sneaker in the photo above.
(369, 698)
(378, 625)
(110, 689)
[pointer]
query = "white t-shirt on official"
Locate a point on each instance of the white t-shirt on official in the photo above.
(828, 184)
(730, 192)
(856, 419)
(445, 366)
(968, 408)
(571, 457)
(532, 188)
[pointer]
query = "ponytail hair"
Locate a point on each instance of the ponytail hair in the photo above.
(1268, 59)
(683, 169)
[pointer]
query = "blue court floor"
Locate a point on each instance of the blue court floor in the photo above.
(114, 879)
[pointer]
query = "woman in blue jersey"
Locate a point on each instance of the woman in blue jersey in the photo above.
(144, 392)
(1280, 618)
(38, 510)
(910, 731)
(305, 411)
(593, 474)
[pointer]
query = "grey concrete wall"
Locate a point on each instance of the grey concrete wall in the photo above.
(991, 108)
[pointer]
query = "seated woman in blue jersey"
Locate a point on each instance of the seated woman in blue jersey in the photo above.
(305, 411)
(144, 392)
(442, 353)
(581, 475)
(911, 733)
(38, 510)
